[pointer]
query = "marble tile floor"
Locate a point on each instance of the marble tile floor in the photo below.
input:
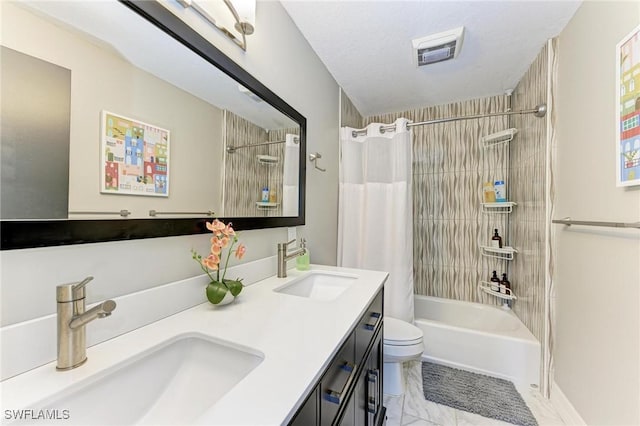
(411, 409)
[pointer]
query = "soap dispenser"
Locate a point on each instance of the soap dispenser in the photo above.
(303, 261)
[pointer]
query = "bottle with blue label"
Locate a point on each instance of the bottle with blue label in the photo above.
(501, 192)
(265, 194)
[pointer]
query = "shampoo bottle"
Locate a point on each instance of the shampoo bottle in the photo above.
(265, 195)
(501, 192)
(489, 194)
(496, 240)
(495, 282)
(505, 285)
(303, 261)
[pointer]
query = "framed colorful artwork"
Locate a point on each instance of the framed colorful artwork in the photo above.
(628, 110)
(134, 157)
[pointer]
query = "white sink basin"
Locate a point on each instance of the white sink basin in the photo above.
(318, 285)
(172, 383)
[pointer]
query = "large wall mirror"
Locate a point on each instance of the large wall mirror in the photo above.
(120, 122)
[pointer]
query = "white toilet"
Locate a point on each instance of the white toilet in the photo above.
(402, 342)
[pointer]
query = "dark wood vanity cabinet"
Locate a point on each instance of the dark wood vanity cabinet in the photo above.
(350, 390)
(309, 413)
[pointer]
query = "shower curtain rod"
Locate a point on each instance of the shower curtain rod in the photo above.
(538, 111)
(232, 149)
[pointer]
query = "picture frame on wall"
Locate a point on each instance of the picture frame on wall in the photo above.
(628, 110)
(134, 157)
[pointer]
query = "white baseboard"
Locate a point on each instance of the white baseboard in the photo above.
(563, 406)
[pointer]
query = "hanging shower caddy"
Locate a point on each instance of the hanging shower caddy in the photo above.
(506, 207)
(504, 253)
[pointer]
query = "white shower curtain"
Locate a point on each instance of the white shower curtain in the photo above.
(375, 229)
(290, 186)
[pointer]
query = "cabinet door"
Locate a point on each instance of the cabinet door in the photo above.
(368, 393)
(307, 415)
(360, 397)
(375, 380)
(348, 418)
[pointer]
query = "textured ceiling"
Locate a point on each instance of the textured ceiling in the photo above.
(366, 45)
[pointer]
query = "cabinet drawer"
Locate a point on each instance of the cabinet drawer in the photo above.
(368, 326)
(337, 381)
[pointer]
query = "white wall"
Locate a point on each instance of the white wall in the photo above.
(280, 58)
(597, 270)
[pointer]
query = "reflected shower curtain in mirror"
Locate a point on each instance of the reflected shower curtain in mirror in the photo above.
(375, 214)
(290, 176)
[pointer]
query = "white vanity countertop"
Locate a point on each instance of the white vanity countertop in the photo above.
(297, 337)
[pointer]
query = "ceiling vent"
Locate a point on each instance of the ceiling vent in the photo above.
(438, 47)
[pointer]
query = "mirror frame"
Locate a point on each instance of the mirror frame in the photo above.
(21, 234)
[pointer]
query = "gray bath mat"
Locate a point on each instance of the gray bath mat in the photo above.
(476, 393)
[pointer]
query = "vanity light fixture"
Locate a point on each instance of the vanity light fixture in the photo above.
(234, 18)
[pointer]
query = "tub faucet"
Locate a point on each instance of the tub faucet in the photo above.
(284, 256)
(72, 319)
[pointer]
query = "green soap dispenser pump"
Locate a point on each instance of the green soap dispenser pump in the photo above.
(303, 261)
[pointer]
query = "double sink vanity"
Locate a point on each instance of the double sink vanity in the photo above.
(301, 350)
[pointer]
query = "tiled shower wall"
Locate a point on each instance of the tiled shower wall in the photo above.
(349, 114)
(244, 174)
(276, 172)
(449, 169)
(528, 166)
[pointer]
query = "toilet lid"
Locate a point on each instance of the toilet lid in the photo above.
(399, 333)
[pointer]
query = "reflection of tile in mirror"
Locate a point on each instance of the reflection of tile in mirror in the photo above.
(246, 176)
(34, 140)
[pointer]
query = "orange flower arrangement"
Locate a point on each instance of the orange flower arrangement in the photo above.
(223, 236)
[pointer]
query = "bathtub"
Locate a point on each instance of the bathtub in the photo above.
(479, 338)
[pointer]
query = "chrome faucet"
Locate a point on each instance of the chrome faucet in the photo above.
(284, 256)
(72, 319)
